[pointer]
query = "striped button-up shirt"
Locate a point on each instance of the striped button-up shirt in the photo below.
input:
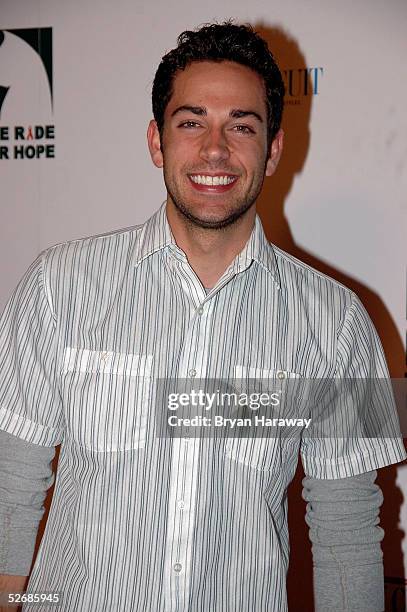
(139, 522)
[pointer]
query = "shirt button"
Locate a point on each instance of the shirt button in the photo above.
(181, 504)
(280, 374)
(200, 310)
(177, 567)
(192, 373)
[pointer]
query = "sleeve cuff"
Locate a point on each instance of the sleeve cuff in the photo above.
(28, 430)
(375, 455)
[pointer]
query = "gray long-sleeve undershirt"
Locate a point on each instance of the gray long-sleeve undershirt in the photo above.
(25, 476)
(343, 517)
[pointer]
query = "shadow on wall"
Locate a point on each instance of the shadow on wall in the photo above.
(302, 83)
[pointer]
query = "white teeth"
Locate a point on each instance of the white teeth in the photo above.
(202, 179)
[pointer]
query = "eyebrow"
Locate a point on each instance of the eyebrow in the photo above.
(201, 111)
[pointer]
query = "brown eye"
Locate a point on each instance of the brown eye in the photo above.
(189, 124)
(244, 129)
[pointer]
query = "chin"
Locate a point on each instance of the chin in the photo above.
(216, 221)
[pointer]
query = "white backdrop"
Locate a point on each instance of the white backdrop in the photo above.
(338, 200)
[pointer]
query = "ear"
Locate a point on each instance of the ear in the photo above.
(154, 144)
(275, 153)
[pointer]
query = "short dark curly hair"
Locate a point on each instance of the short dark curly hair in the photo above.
(216, 43)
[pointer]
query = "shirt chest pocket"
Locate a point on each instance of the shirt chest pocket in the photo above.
(265, 448)
(106, 396)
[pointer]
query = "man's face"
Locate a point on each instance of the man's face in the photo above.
(214, 142)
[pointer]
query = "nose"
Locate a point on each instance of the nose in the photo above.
(214, 146)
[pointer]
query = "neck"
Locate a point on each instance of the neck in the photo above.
(210, 251)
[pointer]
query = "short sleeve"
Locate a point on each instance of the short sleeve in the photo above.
(30, 404)
(365, 403)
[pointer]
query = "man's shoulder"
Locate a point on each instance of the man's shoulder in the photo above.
(104, 245)
(296, 273)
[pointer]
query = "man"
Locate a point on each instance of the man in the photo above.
(145, 523)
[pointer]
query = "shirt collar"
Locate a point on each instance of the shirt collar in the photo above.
(156, 234)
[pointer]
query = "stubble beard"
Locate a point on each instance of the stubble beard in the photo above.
(238, 211)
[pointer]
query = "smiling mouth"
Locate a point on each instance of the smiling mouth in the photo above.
(209, 180)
